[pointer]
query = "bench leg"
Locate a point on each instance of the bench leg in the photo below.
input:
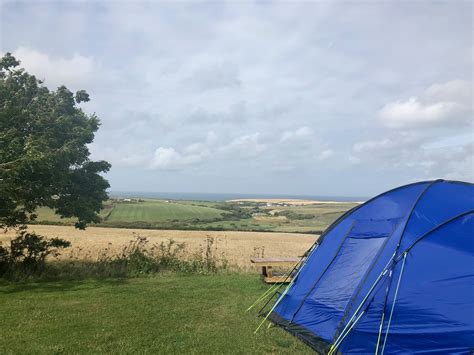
(269, 271)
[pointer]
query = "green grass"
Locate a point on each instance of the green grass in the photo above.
(158, 211)
(165, 314)
(46, 214)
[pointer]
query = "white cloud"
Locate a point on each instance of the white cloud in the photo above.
(374, 145)
(448, 104)
(202, 148)
(170, 159)
(454, 90)
(246, 145)
(297, 134)
(325, 154)
(128, 155)
(392, 145)
(429, 134)
(412, 112)
(74, 71)
(408, 151)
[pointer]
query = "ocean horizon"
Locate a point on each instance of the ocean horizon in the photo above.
(206, 196)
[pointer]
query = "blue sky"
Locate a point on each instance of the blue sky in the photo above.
(326, 98)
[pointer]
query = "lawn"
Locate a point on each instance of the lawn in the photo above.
(163, 314)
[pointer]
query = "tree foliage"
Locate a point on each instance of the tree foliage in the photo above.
(44, 159)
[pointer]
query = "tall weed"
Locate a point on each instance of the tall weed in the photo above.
(139, 257)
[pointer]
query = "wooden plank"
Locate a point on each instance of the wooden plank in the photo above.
(280, 264)
(275, 261)
(279, 279)
(268, 263)
(264, 260)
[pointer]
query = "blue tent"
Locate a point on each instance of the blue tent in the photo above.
(394, 275)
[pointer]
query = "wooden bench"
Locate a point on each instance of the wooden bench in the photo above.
(268, 263)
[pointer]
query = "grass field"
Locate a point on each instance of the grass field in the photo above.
(158, 211)
(157, 315)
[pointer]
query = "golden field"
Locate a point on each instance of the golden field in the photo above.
(238, 247)
(291, 201)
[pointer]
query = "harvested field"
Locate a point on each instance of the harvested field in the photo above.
(238, 247)
(291, 201)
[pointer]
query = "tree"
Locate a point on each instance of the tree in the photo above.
(44, 159)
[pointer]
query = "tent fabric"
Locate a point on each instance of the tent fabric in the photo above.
(345, 291)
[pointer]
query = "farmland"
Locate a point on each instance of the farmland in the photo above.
(240, 229)
(245, 215)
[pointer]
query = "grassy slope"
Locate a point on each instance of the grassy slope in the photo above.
(47, 214)
(156, 211)
(168, 314)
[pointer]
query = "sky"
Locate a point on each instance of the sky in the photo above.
(261, 97)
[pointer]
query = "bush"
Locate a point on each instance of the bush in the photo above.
(27, 253)
(294, 216)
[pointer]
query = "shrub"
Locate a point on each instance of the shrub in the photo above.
(294, 216)
(27, 253)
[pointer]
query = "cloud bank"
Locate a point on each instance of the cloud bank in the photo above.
(329, 98)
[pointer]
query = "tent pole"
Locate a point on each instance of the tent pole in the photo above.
(350, 323)
(274, 306)
(394, 301)
(278, 285)
(336, 344)
(286, 290)
(309, 252)
(267, 292)
(387, 291)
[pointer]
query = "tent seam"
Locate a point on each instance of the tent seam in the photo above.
(352, 210)
(411, 211)
(389, 285)
(427, 234)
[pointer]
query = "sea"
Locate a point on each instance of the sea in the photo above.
(205, 196)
